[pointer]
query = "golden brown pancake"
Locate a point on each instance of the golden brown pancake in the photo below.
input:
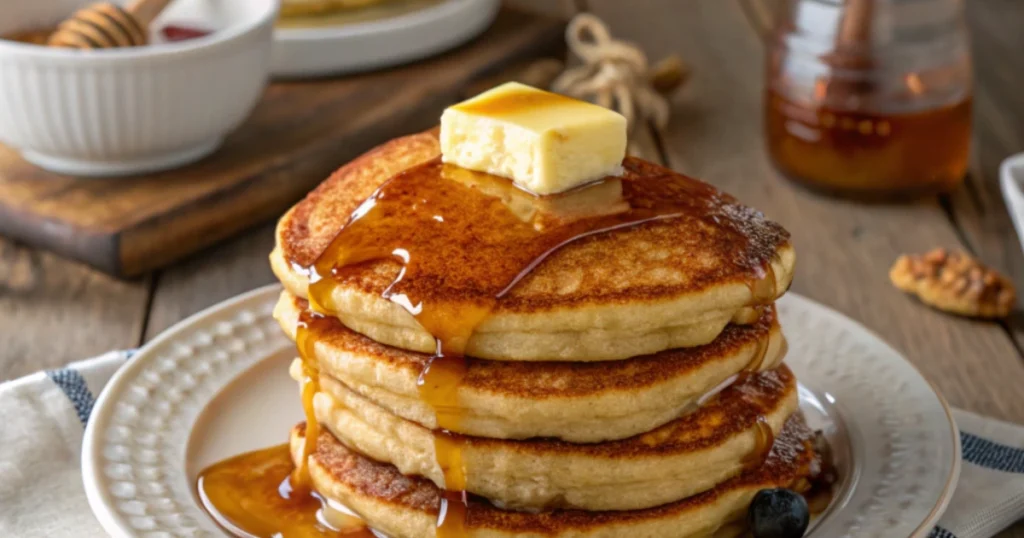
(574, 401)
(407, 507)
(634, 291)
(682, 458)
(297, 8)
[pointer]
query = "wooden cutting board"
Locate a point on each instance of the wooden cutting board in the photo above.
(298, 134)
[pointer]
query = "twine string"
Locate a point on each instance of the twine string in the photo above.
(615, 74)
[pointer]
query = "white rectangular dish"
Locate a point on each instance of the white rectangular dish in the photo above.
(1011, 179)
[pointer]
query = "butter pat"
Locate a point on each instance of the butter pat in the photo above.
(544, 142)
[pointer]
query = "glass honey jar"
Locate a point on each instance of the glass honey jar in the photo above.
(870, 98)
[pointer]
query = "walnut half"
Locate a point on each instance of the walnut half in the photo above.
(954, 282)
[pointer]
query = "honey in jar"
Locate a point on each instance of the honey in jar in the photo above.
(869, 98)
(869, 153)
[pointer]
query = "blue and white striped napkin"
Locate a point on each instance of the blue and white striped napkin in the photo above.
(42, 417)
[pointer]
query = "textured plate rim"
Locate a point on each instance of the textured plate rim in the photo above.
(838, 318)
(101, 499)
(954, 476)
(101, 506)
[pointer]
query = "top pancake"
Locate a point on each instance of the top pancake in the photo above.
(636, 290)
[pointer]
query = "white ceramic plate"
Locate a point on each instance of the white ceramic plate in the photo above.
(894, 439)
(310, 52)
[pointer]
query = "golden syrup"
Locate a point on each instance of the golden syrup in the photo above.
(305, 338)
(764, 440)
(819, 496)
(763, 285)
(438, 386)
(765, 437)
(783, 348)
(757, 359)
(761, 351)
(869, 154)
(253, 495)
(451, 519)
(464, 239)
(821, 484)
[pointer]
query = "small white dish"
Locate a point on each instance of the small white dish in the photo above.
(1011, 179)
(350, 48)
(132, 110)
(895, 443)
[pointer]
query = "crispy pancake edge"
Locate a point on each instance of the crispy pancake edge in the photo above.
(735, 411)
(300, 247)
(791, 459)
(517, 379)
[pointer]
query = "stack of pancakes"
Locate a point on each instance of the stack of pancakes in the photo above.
(629, 384)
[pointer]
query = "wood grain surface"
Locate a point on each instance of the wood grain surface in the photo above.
(298, 133)
(844, 249)
(977, 209)
(53, 312)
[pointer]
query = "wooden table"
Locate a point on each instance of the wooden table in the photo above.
(53, 311)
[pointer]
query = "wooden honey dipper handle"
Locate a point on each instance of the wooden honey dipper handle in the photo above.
(105, 25)
(146, 11)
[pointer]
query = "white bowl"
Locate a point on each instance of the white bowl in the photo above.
(133, 110)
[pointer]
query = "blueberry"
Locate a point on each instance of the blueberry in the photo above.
(778, 513)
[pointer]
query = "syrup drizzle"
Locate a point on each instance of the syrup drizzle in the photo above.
(764, 440)
(308, 327)
(765, 437)
(756, 363)
(764, 287)
(464, 239)
(253, 495)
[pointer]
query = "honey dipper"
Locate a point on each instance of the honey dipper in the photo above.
(105, 25)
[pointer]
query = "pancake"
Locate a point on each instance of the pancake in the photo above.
(297, 8)
(682, 458)
(640, 289)
(573, 401)
(407, 507)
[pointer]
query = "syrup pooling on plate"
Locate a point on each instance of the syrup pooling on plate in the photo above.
(464, 239)
(253, 494)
